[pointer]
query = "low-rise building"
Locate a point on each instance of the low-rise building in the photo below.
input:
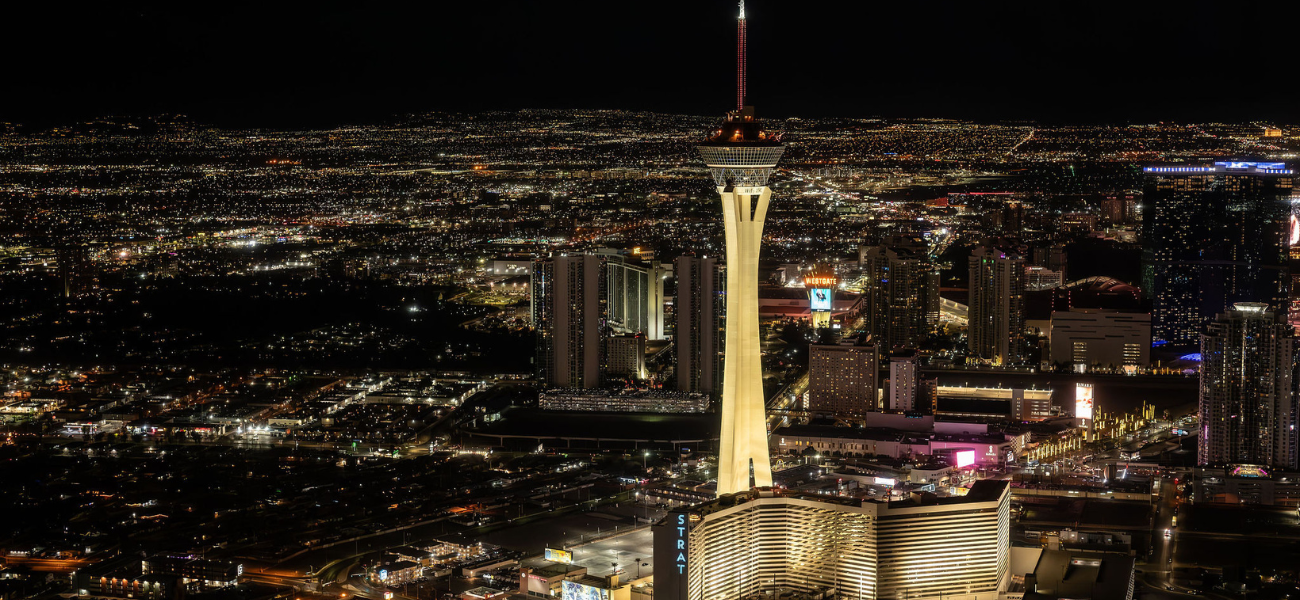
(1090, 339)
(625, 400)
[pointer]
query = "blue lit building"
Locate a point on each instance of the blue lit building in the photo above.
(1213, 235)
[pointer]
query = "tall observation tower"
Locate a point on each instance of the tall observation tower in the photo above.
(741, 157)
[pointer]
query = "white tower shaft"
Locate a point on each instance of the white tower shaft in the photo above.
(744, 412)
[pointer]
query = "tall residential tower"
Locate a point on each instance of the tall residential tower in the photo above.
(1213, 236)
(1247, 406)
(570, 312)
(997, 305)
(698, 318)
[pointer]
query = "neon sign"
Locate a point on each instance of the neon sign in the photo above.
(681, 543)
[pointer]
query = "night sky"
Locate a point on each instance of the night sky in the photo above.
(360, 62)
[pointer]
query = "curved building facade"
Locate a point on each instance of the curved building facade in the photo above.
(754, 543)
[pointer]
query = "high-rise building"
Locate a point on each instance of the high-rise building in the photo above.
(842, 379)
(569, 313)
(697, 324)
(901, 295)
(76, 272)
(741, 158)
(625, 356)
(781, 542)
(997, 305)
(1213, 236)
(1247, 404)
(636, 295)
(1053, 257)
(904, 381)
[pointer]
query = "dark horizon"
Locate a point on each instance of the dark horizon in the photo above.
(290, 67)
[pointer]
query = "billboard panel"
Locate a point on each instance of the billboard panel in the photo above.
(965, 458)
(820, 299)
(1083, 401)
(573, 590)
(560, 556)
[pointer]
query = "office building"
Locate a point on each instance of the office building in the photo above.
(625, 356)
(1119, 210)
(636, 294)
(76, 271)
(1213, 236)
(741, 158)
(842, 379)
(569, 313)
(1247, 405)
(904, 381)
(784, 542)
(901, 292)
(1053, 258)
(997, 305)
(1038, 279)
(698, 324)
(1088, 339)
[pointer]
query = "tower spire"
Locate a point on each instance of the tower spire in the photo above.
(740, 58)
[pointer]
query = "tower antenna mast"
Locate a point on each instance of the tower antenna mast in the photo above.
(740, 58)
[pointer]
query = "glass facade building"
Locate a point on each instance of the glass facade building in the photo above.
(1213, 236)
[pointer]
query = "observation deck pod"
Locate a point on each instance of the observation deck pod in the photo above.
(740, 153)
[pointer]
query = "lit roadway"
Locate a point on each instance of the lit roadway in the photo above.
(784, 400)
(1158, 573)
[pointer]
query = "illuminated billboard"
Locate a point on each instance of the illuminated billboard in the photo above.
(1083, 401)
(573, 590)
(1253, 471)
(820, 299)
(559, 556)
(965, 458)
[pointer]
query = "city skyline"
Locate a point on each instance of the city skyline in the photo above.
(448, 352)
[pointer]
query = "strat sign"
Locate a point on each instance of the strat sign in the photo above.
(681, 544)
(672, 547)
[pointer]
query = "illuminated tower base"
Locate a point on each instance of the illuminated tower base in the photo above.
(744, 410)
(741, 158)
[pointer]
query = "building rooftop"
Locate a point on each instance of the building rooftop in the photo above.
(1082, 575)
